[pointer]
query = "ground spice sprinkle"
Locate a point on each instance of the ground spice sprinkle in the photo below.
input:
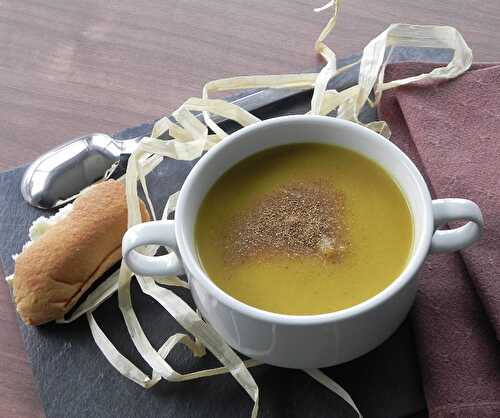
(296, 220)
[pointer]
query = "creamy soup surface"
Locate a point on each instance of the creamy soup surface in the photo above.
(304, 229)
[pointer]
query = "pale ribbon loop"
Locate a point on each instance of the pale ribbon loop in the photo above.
(190, 138)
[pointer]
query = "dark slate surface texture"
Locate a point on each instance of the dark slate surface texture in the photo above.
(75, 379)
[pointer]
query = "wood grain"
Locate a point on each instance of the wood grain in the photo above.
(70, 68)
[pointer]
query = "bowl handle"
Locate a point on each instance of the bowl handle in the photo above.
(447, 210)
(149, 233)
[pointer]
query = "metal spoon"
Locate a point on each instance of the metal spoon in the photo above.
(57, 176)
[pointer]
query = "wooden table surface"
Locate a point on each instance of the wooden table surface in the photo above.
(70, 68)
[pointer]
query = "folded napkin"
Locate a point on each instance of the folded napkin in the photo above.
(451, 130)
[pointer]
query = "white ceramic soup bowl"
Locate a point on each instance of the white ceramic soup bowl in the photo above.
(308, 341)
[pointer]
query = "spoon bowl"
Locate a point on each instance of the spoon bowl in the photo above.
(55, 178)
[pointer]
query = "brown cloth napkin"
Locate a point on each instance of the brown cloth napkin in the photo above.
(451, 130)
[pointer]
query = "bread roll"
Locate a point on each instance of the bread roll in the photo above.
(54, 271)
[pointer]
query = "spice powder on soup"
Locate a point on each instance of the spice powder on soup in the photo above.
(296, 220)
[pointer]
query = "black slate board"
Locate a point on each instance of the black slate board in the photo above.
(75, 379)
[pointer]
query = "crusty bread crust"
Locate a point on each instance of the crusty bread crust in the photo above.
(55, 270)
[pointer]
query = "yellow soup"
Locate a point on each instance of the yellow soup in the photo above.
(279, 262)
